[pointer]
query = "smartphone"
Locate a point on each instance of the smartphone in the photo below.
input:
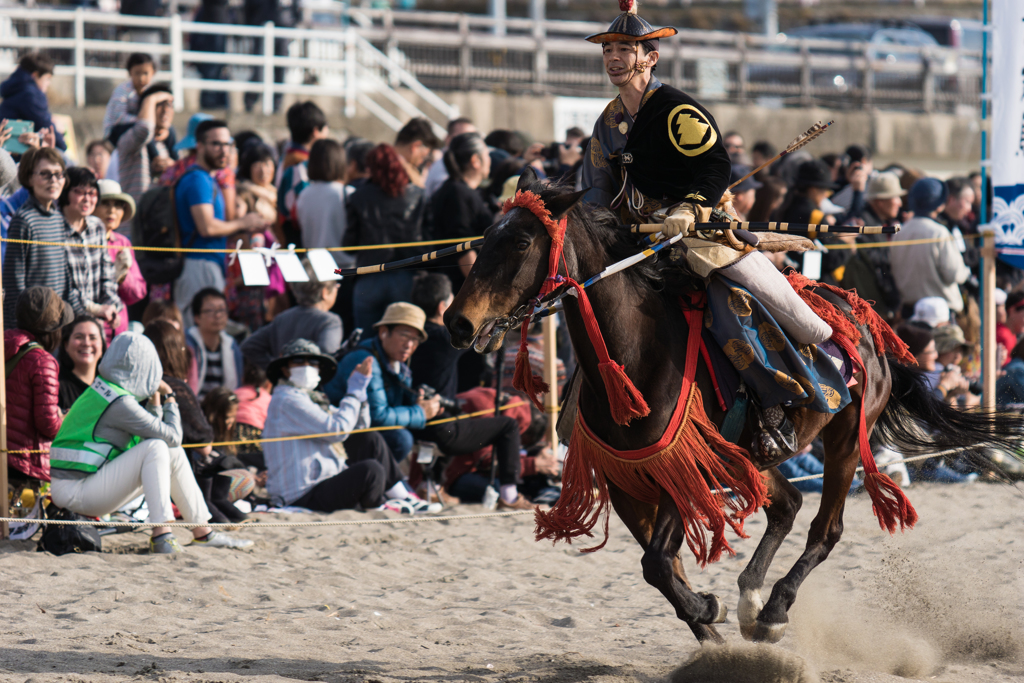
(18, 127)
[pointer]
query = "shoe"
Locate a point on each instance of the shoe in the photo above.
(165, 544)
(521, 503)
(217, 539)
(411, 506)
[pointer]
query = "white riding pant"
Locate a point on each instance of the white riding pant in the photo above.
(152, 468)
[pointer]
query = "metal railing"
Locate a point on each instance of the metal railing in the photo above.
(357, 52)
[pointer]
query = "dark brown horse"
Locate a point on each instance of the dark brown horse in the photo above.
(646, 331)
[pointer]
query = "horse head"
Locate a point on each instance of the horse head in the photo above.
(510, 269)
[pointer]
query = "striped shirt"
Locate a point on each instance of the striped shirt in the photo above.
(91, 271)
(214, 372)
(122, 107)
(32, 265)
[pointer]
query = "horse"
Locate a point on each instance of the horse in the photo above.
(645, 329)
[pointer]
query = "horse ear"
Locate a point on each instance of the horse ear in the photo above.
(563, 203)
(526, 178)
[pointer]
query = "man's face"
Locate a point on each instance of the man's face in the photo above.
(959, 206)
(733, 145)
(418, 154)
(460, 129)
(215, 148)
(887, 209)
(620, 60)
(164, 115)
(213, 316)
(743, 202)
(400, 342)
(142, 76)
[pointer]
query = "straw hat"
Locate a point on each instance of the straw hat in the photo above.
(402, 313)
(885, 185)
(111, 189)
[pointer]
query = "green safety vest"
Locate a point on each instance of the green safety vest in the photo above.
(75, 447)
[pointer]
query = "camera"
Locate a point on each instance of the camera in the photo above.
(349, 344)
(428, 392)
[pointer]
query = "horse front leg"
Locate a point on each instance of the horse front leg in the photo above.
(640, 518)
(841, 459)
(664, 570)
(785, 504)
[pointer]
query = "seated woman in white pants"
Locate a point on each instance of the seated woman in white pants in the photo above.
(111, 449)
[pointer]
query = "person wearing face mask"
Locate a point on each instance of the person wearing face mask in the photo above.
(314, 473)
(93, 285)
(80, 353)
(111, 449)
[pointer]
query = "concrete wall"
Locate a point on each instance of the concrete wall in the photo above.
(939, 143)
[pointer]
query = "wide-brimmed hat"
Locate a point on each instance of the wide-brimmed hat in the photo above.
(47, 311)
(111, 189)
(628, 27)
(885, 185)
(740, 170)
(189, 141)
(402, 313)
(298, 349)
(949, 338)
(814, 173)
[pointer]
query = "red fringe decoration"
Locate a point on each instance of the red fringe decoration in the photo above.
(692, 463)
(889, 503)
(624, 400)
(625, 5)
(523, 379)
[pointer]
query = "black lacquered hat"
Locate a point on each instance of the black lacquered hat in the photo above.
(629, 27)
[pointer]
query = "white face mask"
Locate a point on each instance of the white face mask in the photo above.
(305, 377)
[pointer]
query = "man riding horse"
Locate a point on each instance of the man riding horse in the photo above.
(656, 155)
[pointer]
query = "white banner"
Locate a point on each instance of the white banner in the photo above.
(582, 112)
(1007, 145)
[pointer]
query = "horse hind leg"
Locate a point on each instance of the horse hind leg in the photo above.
(781, 513)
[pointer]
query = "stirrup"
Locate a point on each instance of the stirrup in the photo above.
(776, 439)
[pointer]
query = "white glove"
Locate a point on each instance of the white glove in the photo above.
(681, 221)
(122, 264)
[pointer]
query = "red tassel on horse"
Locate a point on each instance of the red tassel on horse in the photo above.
(624, 399)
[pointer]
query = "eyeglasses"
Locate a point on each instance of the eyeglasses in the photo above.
(220, 145)
(50, 176)
(86, 192)
(214, 311)
(407, 337)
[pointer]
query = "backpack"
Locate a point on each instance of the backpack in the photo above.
(158, 227)
(61, 539)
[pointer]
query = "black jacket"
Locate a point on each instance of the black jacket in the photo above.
(376, 218)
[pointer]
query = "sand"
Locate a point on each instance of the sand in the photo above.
(481, 601)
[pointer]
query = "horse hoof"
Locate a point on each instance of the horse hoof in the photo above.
(750, 606)
(721, 610)
(767, 633)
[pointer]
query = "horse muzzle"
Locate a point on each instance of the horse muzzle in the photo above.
(484, 339)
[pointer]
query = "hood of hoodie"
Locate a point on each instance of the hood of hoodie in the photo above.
(14, 340)
(18, 81)
(132, 363)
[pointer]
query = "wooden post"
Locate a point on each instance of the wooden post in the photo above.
(4, 508)
(988, 324)
(551, 377)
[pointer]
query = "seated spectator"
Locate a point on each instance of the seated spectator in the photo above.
(218, 358)
(24, 95)
(320, 209)
(92, 287)
(436, 361)
(111, 450)
(41, 171)
(1010, 383)
(387, 210)
(310, 472)
(311, 319)
(33, 414)
(391, 398)
(123, 106)
(114, 208)
(97, 157)
(934, 268)
(251, 417)
(931, 312)
(744, 194)
(80, 352)
(162, 309)
(1005, 338)
(218, 473)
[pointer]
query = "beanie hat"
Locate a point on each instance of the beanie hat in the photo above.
(916, 338)
(927, 195)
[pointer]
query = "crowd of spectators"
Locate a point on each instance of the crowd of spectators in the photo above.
(191, 356)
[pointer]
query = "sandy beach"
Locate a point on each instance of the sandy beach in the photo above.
(479, 600)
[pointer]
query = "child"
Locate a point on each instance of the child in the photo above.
(223, 479)
(251, 415)
(123, 106)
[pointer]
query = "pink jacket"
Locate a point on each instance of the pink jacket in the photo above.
(133, 289)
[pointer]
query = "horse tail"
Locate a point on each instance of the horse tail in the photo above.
(917, 421)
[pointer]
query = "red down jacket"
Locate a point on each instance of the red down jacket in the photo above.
(33, 417)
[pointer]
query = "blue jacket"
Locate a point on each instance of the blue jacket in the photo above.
(390, 405)
(23, 100)
(8, 207)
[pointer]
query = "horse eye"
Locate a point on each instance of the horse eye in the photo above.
(523, 245)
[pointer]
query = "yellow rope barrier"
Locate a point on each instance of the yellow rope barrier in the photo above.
(176, 250)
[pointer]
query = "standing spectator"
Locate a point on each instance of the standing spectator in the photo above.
(123, 106)
(768, 198)
(33, 416)
(216, 352)
(356, 172)
(459, 211)
(256, 194)
(201, 219)
(24, 95)
(143, 8)
(41, 172)
(438, 173)
(92, 287)
(321, 207)
(211, 12)
(745, 194)
(761, 152)
(80, 352)
(959, 212)
(97, 157)
(935, 268)
(258, 13)
(311, 320)
(135, 174)
(116, 206)
(389, 209)
(857, 170)
(256, 181)
(734, 147)
(415, 144)
(306, 124)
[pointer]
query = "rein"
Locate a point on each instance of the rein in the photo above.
(624, 400)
